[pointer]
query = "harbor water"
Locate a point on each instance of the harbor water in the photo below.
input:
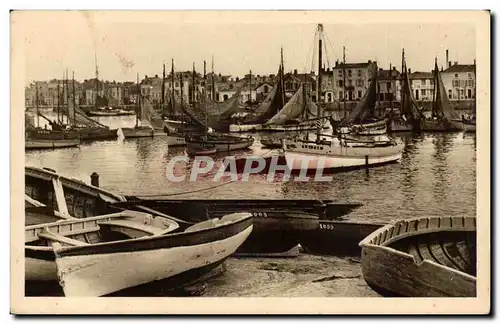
(436, 176)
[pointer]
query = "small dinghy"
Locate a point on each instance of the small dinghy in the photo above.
(426, 257)
(101, 255)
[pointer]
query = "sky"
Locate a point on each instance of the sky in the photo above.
(127, 43)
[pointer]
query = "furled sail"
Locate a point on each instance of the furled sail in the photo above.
(295, 109)
(365, 107)
(149, 116)
(271, 104)
(409, 106)
(441, 106)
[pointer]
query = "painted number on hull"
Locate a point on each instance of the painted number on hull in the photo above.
(259, 214)
(326, 226)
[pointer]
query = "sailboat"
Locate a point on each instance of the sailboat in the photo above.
(207, 141)
(444, 117)
(410, 117)
(321, 151)
(362, 120)
(78, 124)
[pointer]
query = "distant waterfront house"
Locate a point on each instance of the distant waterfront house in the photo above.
(460, 81)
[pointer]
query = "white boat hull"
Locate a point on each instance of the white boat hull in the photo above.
(273, 128)
(137, 132)
(100, 274)
(307, 156)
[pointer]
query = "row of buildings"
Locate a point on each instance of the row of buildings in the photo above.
(344, 82)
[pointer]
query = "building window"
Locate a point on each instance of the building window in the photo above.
(469, 75)
(423, 92)
(431, 82)
(388, 85)
(349, 72)
(176, 84)
(266, 89)
(359, 83)
(340, 72)
(359, 73)
(456, 83)
(360, 94)
(469, 93)
(470, 83)
(456, 75)
(225, 97)
(341, 95)
(461, 93)
(349, 83)
(329, 97)
(424, 82)
(340, 83)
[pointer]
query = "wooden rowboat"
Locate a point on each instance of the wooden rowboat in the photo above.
(101, 255)
(426, 257)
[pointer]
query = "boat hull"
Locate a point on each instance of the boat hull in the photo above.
(117, 271)
(427, 257)
(469, 128)
(399, 126)
(337, 237)
(32, 144)
(442, 126)
(109, 114)
(221, 145)
(273, 128)
(136, 132)
(343, 158)
(84, 134)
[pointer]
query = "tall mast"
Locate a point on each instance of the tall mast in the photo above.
(403, 76)
(173, 88)
(163, 89)
(282, 83)
(318, 86)
(182, 108)
(37, 111)
(74, 99)
(213, 80)
(96, 81)
(66, 97)
(205, 91)
(138, 103)
(250, 88)
(58, 101)
(193, 87)
(344, 92)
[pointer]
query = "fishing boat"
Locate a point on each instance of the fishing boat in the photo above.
(271, 142)
(409, 118)
(444, 118)
(470, 121)
(77, 125)
(363, 120)
(208, 150)
(101, 255)
(38, 144)
(221, 142)
(423, 257)
(329, 152)
(278, 224)
(110, 112)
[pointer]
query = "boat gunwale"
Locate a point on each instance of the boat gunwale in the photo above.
(72, 183)
(378, 239)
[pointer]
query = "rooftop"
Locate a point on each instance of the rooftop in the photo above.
(421, 75)
(461, 68)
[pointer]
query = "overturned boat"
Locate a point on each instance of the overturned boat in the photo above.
(423, 257)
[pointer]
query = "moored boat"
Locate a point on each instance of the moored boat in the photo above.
(109, 113)
(101, 255)
(424, 257)
(36, 144)
(444, 117)
(221, 142)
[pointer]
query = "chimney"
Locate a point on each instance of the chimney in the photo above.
(295, 71)
(447, 56)
(455, 63)
(449, 64)
(369, 61)
(474, 61)
(409, 71)
(337, 62)
(156, 75)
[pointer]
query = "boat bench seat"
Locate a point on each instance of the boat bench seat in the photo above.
(151, 230)
(48, 235)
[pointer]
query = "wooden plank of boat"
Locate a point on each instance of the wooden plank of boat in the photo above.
(426, 257)
(50, 143)
(131, 262)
